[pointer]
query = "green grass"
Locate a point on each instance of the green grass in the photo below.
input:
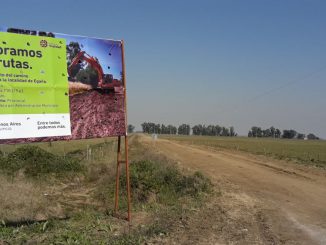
(311, 152)
(89, 227)
(36, 162)
(60, 147)
(159, 189)
(166, 182)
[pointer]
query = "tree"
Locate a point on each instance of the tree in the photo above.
(82, 72)
(164, 129)
(267, 133)
(157, 128)
(232, 132)
(289, 134)
(300, 136)
(131, 128)
(204, 130)
(256, 131)
(144, 126)
(73, 49)
(272, 130)
(147, 127)
(197, 129)
(172, 129)
(225, 131)
(218, 130)
(250, 133)
(184, 129)
(277, 133)
(312, 137)
(88, 76)
(210, 130)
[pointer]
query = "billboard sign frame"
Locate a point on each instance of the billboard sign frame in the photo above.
(106, 82)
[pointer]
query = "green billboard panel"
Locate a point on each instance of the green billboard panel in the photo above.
(56, 86)
(33, 75)
(34, 94)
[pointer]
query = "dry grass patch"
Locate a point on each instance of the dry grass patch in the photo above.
(21, 200)
(77, 88)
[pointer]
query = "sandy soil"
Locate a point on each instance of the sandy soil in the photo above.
(261, 201)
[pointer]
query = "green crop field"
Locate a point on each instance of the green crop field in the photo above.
(304, 151)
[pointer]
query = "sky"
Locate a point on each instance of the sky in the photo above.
(232, 63)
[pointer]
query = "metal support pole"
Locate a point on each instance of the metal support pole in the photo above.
(117, 177)
(119, 161)
(127, 178)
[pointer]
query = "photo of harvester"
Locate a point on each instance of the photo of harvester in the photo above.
(96, 87)
(105, 81)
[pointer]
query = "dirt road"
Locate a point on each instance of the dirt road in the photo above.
(261, 201)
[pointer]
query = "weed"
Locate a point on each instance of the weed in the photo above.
(148, 178)
(158, 187)
(36, 162)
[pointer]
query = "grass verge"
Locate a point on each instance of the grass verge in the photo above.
(36, 162)
(161, 195)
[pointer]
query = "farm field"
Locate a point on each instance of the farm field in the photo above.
(311, 152)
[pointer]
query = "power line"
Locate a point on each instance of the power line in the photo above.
(295, 81)
(292, 82)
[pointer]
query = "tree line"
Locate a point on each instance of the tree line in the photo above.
(217, 130)
(156, 128)
(213, 130)
(272, 132)
(185, 129)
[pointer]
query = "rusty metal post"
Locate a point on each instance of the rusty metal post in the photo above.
(119, 161)
(117, 177)
(127, 178)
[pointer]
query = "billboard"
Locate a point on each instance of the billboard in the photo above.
(60, 87)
